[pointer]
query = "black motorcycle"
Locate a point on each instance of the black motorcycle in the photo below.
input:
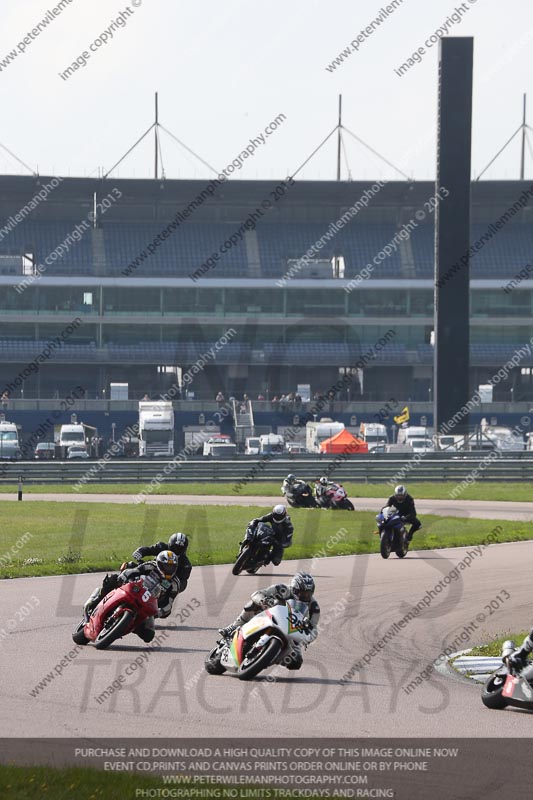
(255, 549)
(509, 686)
(392, 533)
(300, 495)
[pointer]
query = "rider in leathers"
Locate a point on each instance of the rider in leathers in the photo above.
(165, 561)
(283, 529)
(301, 588)
(177, 544)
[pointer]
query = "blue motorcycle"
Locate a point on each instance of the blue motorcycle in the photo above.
(392, 532)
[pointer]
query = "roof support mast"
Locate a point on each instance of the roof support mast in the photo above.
(339, 139)
(156, 143)
(524, 128)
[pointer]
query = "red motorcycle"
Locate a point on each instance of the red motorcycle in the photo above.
(334, 497)
(120, 612)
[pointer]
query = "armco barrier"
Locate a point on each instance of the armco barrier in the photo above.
(247, 469)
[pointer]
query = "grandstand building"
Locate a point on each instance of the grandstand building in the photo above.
(166, 275)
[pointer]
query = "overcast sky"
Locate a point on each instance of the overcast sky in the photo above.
(224, 70)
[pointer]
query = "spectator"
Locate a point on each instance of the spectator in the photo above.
(260, 397)
(145, 397)
(220, 399)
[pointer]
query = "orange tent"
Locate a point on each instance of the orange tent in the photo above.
(343, 442)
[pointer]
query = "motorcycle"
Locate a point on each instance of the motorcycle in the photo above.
(264, 641)
(392, 532)
(254, 549)
(299, 495)
(120, 612)
(509, 686)
(334, 497)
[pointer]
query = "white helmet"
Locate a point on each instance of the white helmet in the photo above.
(279, 513)
(323, 481)
(400, 492)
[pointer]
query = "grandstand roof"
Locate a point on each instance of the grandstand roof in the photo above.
(151, 200)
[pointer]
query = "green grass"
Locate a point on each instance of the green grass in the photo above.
(494, 648)
(77, 783)
(482, 490)
(73, 783)
(87, 537)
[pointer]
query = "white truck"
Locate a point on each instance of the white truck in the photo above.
(411, 432)
(220, 447)
(9, 440)
(72, 434)
(252, 446)
(317, 432)
(271, 444)
(156, 429)
(375, 435)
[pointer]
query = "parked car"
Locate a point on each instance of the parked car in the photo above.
(77, 451)
(45, 451)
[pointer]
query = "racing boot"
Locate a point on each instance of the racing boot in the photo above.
(91, 604)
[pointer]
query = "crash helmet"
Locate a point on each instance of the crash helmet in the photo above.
(279, 513)
(291, 478)
(323, 481)
(400, 492)
(302, 586)
(178, 543)
(167, 564)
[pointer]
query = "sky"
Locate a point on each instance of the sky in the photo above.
(224, 71)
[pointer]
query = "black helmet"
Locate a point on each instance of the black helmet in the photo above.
(178, 543)
(290, 478)
(279, 513)
(303, 586)
(167, 564)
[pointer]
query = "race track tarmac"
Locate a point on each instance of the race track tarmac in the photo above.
(168, 693)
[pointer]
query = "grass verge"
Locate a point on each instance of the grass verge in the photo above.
(78, 783)
(44, 538)
(494, 648)
(481, 490)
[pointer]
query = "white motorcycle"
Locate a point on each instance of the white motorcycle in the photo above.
(264, 641)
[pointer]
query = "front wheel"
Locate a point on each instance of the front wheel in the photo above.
(403, 547)
(347, 505)
(114, 630)
(78, 636)
(212, 663)
(491, 695)
(257, 661)
(384, 545)
(242, 560)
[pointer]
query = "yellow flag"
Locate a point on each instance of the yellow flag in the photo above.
(402, 417)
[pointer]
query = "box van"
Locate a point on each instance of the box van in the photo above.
(252, 446)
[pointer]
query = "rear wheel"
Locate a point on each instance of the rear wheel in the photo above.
(114, 629)
(242, 560)
(384, 545)
(78, 636)
(212, 663)
(259, 660)
(491, 696)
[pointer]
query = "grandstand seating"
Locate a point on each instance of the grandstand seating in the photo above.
(482, 353)
(193, 243)
(189, 352)
(501, 256)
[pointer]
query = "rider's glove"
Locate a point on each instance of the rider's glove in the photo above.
(518, 659)
(137, 554)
